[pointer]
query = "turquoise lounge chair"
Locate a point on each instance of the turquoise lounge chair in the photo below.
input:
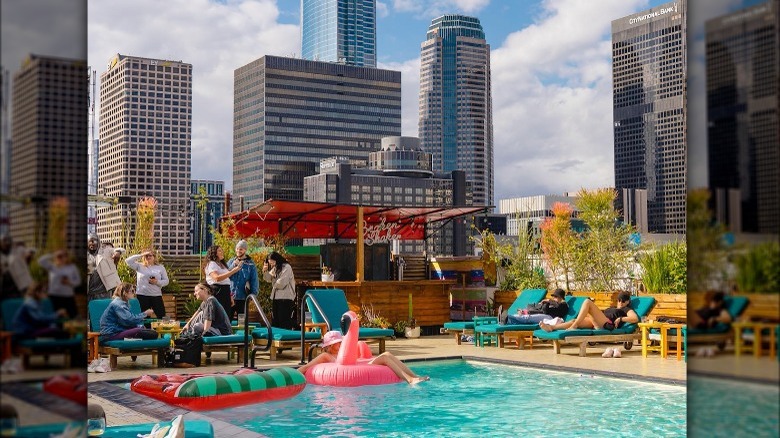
(192, 429)
(154, 347)
(328, 305)
(521, 330)
(721, 333)
(627, 334)
(526, 297)
(284, 339)
(39, 347)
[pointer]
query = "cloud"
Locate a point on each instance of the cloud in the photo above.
(410, 93)
(216, 38)
(552, 100)
(435, 8)
(381, 9)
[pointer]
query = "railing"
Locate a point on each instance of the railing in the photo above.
(252, 298)
(303, 323)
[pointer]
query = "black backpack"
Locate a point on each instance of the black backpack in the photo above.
(186, 352)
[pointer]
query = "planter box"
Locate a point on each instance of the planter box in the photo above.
(412, 332)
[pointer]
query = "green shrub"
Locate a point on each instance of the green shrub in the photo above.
(758, 269)
(664, 269)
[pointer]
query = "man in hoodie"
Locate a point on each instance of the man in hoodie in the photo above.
(246, 280)
(102, 276)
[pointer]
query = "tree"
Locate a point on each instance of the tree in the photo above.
(201, 202)
(143, 239)
(559, 243)
(602, 252)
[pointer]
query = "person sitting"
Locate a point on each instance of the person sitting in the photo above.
(555, 307)
(118, 322)
(210, 319)
(713, 313)
(331, 343)
(32, 321)
(590, 316)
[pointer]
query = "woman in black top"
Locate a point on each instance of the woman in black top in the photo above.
(712, 314)
(592, 317)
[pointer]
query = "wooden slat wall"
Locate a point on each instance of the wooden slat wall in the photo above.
(415, 268)
(431, 300)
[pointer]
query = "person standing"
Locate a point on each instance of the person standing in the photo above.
(63, 278)
(151, 277)
(244, 281)
(15, 275)
(278, 272)
(218, 277)
(102, 276)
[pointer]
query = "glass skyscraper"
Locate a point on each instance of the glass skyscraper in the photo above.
(456, 120)
(339, 31)
(742, 116)
(648, 108)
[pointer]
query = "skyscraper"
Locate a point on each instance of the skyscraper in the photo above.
(648, 107)
(291, 113)
(341, 31)
(204, 220)
(47, 148)
(145, 148)
(742, 115)
(456, 116)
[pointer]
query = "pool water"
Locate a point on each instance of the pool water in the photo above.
(467, 398)
(726, 408)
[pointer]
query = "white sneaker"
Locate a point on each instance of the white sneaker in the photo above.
(92, 365)
(103, 366)
(616, 353)
(608, 352)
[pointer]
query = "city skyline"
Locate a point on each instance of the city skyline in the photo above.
(127, 27)
(548, 80)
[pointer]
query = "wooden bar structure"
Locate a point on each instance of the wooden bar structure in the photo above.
(431, 298)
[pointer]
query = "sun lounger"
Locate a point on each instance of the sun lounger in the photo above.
(721, 332)
(284, 339)
(328, 305)
(192, 429)
(40, 346)
(520, 331)
(626, 334)
(526, 297)
(114, 349)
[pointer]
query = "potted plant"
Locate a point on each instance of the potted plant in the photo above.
(411, 330)
(327, 274)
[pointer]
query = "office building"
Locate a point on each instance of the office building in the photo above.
(5, 150)
(145, 148)
(47, 151)
(649, 111)
(528, 212)
(743, 132)
(342, 31)
(205, 216)
(291, 113)
(456, 120)
(399, 175)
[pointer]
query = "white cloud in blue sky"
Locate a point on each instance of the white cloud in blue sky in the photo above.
(551, 73)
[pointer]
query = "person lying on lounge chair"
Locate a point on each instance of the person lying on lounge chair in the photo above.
(331, 343)
(713, 313)
(555, 307)
(591, 317)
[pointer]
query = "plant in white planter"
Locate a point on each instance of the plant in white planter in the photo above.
(411, 330)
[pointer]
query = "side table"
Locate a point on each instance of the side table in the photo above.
(645, 327)
(479, 337)
(758, 337)
(93, 345)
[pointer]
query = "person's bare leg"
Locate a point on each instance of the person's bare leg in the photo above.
(399, 368)
(322, 358)
(578, 322)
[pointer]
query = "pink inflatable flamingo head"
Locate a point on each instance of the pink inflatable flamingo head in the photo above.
(349, 351)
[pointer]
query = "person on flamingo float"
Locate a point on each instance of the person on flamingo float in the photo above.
(334, 353)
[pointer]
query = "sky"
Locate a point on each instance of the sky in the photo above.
(550, 60)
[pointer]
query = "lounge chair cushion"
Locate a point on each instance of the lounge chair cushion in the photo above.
(280, 334)
(526, 297)
(372, 332)
(163, 342)
(561, 334)
(192, 429)
(235, 338)
(51, 344)
(641, 305)
(459, 325)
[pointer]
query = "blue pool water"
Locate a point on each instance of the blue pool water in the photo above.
(727, 408)
(465, 398)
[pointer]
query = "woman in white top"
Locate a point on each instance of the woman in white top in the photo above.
(63, 278)
(150, 279)
(218, 277)
(278, 272)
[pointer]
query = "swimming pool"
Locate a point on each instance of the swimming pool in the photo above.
(468, 398)
(726, 408)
